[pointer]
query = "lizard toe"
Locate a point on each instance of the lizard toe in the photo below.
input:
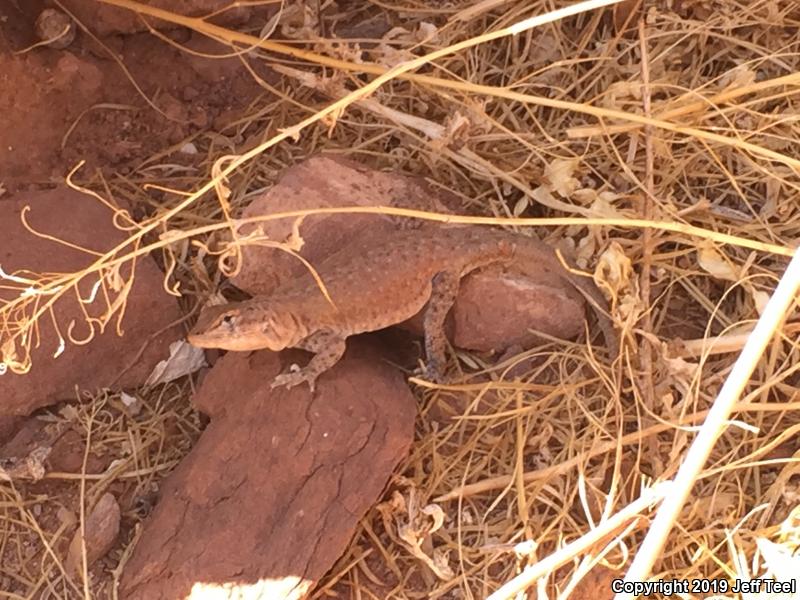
(433, 372)
(292, 379)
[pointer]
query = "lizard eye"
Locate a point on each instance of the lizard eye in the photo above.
(228, 320)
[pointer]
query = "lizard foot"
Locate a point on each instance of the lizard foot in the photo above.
(293, 378)
(432, 373)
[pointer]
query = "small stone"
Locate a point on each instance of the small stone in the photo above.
(102, 528)
(55, 28)
(188, 148)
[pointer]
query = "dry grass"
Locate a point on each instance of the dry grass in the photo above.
(678, 136)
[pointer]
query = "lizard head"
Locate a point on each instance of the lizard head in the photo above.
(245, 326)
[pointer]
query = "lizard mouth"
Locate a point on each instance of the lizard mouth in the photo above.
(236, 344)
(241, 342)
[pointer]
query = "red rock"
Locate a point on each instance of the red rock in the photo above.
(8, 427)
(324, 182)
(78, 73)
(25, 456)
(57, 449)
(83, 221)
(496, 307)
(101, 531)
(68, 455)
(273, 491)
(30, 433)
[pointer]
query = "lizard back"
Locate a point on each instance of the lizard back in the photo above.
(374, 285)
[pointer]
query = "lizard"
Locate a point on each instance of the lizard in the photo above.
(371, 288)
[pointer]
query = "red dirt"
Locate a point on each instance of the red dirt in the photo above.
(63, 106)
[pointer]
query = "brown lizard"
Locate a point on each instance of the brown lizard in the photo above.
(372, 288)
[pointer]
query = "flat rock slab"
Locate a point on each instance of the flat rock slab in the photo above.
(326, 182)
(270, 496)
(107, 359)
(496, 308)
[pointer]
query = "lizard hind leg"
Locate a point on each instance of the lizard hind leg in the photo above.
(327, 346)
(444, 289)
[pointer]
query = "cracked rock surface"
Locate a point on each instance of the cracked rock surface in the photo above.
(109, 360)
(272, 493)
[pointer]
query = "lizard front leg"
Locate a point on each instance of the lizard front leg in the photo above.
(327, 346)
(444, 289)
